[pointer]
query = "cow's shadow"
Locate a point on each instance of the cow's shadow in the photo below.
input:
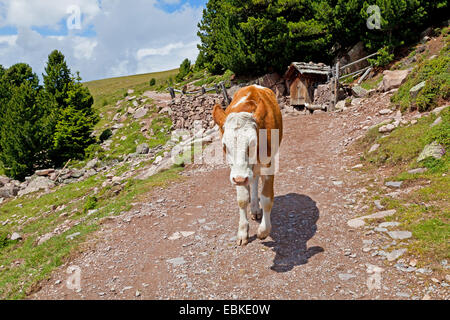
(294, 218)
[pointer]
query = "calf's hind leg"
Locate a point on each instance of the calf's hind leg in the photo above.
(266, 204)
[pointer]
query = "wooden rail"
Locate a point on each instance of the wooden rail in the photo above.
(337, 76)
(220, 88)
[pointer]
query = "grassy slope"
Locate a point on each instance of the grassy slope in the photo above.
(108, 91)
(23, 263)
(425, 210)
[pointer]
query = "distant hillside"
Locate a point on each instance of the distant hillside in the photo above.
(106, 91)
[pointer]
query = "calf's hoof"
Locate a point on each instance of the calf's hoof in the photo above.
(242, 236)
(242, 242)
(263, 233)
(257, 215)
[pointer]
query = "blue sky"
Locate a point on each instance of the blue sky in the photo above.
(100, 38)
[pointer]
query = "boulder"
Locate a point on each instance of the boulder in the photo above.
(92, 164)
(340, 105)
(433, 149)
(142, 149)
(387, 128)
(4, 181)
(39, 183)
(359, 92)
(8, 191)
(140, 113)
(393, 79)
(414, 91)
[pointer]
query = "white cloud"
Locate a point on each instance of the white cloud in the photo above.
(164, 51)
(129, 39)
(44, 13)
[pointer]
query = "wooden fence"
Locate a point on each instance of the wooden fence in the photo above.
(337, 75)
(218, 88)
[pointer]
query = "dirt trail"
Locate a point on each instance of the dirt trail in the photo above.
(310, 254)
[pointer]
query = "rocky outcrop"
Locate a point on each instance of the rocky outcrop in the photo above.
(37, 184)
(393, 79)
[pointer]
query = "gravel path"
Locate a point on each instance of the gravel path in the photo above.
(180, 243)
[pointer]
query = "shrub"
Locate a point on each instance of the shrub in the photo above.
(383, 58)
(106, 134)
(152, 82)
(90, 204)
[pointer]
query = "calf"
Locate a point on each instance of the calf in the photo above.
(251, 129)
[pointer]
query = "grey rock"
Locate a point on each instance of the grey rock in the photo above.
(359, 92)
(418, 170)
(416, 89)
(140, 113)
(378, 205)
(374, 148)
(72, 236)
(433, 149)
(92, 164)
(40, 183)
(78, 173)
(438, 110)
(15, 236)
(9, 191)
(142, 149)
(4, 181)
(436, 122)
(386, 128)
(359, 222)
(400, 235)
(388, 224)
(385, 111)
(394, 184)
(394, 255)
(393, 79)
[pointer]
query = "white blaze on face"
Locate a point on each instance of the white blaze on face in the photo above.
(240, 140)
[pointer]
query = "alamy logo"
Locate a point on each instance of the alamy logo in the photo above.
(74, 20)
(374, 20)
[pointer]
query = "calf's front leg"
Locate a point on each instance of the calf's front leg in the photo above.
(243, 197)
(266, 204)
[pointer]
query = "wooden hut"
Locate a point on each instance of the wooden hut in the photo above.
(303, 78)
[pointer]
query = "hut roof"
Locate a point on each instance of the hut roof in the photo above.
(308, 68)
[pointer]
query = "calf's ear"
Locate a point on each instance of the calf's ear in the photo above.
(219, 115)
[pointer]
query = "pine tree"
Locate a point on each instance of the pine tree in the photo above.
(73, 132)
(22, 131)
(57, 77)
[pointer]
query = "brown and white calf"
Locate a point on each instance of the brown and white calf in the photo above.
(251, 128)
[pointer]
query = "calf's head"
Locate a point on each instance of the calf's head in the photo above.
(239, 141)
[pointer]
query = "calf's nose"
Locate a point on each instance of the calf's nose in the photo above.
(240, 180)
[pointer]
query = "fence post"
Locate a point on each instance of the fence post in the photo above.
(336, 86)
(172, 92)
(225, 93)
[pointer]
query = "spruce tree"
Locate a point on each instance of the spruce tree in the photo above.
(21, 132)
(57, 77)
(73, 132)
